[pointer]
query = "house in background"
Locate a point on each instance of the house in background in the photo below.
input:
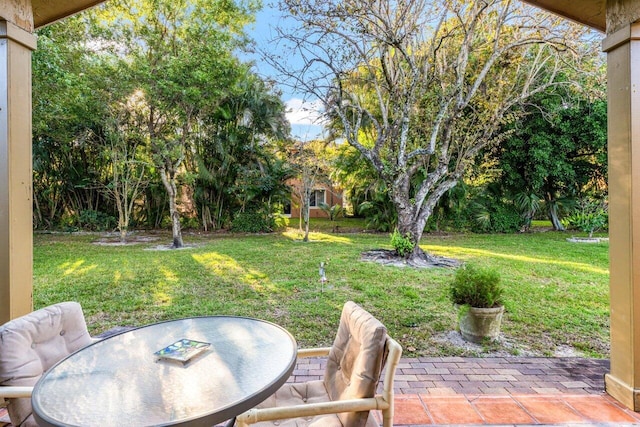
(322, 193)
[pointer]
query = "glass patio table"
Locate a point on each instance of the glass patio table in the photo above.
(120, 382)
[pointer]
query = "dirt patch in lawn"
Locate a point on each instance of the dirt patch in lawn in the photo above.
(170, 247)
(502, 347)
(131, 240)
(390, 257)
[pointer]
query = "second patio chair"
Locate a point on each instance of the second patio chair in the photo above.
(29, 346)
(347, 394)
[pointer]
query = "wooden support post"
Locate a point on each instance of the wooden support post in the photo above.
(623, 64)
(16, 199)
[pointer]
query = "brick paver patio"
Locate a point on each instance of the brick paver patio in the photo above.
(485, 376)
(505, 391)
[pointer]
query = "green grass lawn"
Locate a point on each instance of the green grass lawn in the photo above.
(556, 291)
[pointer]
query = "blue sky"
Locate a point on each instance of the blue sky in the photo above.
(302, 114)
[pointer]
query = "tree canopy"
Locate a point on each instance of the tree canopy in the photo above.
(156, 85)
(557, 152)
(419, 88)
(143, 111)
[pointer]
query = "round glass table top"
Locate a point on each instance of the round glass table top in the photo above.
(120, 382)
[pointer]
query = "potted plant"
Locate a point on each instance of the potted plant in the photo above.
(478, 294)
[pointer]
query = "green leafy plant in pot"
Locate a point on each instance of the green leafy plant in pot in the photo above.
(478, 294)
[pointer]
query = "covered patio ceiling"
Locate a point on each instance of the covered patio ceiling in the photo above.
(588, 12)
(48, 11)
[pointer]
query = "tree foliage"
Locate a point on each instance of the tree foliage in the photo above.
(419, 87)
(179, 53)
(142, 108)
(556, 154)
(234, 165)
(69, 110)
(311, 161)
(590, 215)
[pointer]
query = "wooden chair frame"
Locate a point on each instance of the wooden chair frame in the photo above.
(382, 402)
(14, 392)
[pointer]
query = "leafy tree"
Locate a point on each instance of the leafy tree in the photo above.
(528, 204)
(149, 92)
(124, 145)
(67, 116)
(557, 152)
(377, 208)
(333, 212)
(311, 161)
(363, 190)
(180, 56)
(477, 206)
(235, 157)
(419, 87)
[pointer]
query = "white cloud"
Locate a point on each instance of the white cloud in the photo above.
(301, 112)
(305, 118)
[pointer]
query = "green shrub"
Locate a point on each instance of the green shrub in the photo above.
(192, 223)
(476, 287)
(91, 220)
(402, 244)
(497, 217)
(379, 213)
(253, 222)
(590, 215)
(482, 213)
(280, 220)
(506, 219)
(333, 212)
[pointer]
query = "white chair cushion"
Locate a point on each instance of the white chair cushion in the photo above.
(355, 360)
(31, 344)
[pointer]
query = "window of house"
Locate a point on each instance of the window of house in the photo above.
(317, 197)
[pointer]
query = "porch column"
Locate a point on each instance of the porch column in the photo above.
(623, 73)
(16, 238)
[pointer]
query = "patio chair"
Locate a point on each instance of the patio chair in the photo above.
(347, 394)
(29, 346)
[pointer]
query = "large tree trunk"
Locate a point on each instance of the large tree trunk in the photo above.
(175, 224)
(407, 226)
(412, 219)
(170, 185)
(552, 212)
(555, 220)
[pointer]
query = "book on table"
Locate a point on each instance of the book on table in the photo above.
(182, 350)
